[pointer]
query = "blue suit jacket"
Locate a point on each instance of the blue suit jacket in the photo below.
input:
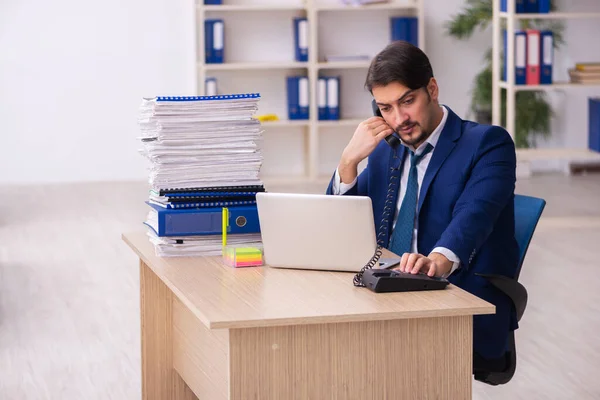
(466, 204)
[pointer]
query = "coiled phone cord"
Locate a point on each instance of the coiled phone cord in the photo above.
(388, 208)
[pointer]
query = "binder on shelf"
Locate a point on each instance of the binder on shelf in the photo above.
(298, 97)
(210, 86)
(405, 28)
(531, 6)
(214, 37)
(533, 57)
(519, 6)
(546, 57)
(333, 98)
(543, 6)
(301, 38)
(202, 221)
(520, 57)
(594, 123)
(213, 2)
(322, 98)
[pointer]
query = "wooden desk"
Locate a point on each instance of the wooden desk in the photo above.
(215, 332)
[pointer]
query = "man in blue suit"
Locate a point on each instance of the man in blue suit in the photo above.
(448, 188)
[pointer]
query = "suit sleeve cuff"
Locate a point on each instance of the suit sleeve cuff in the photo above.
(449, 254)
(339, 187)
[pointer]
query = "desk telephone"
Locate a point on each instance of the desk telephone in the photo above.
(385, 280)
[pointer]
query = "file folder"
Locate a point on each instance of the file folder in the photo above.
(322, 98)
(333, 98)
(520, 58)
(301, 38)
(298, 97)
(303, 97)
(531, 6)
(594, 123)
(543, 6)
(519, 6)
(214, 36)
(405, 28)
(292, 97)
(533, 57)
(546, 57)
(202, 221)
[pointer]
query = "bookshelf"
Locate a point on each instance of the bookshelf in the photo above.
(510, 19)
(259, 54)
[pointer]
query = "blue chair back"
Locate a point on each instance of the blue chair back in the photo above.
(528, 211)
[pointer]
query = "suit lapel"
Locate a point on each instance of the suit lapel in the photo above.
(446, 143)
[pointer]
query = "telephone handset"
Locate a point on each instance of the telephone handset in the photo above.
(392, 140)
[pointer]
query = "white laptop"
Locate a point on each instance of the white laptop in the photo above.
(313, 231)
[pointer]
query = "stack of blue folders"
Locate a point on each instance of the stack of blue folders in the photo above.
(204, 154)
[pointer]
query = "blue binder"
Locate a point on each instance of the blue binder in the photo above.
(322, 98)
(543, 6)
(531, 6)
(301, 38)
(298, 98)
(546, 57)
(333, 98)
(205, 221)
(594, 123)
(213, 2)
(214, 40)
(519, 6)
(520, 57)
(405, 28)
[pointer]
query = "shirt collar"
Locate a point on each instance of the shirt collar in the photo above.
(435, 135)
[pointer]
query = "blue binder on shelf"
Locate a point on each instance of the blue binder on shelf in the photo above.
(519, 6)
(594, 123)
(213, 2)
(214, 40)
(543, 6)
(520, 57)
(532, 6)
(546, 57)
(203, 221)
(405, 28)
(301, 38)
(322, 98)
(298, 98)
(333, 97)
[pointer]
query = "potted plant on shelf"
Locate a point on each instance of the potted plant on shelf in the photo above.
(533, 112)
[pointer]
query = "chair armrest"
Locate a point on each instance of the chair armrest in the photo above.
(512, 288)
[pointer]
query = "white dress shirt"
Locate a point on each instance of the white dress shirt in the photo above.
(341, 188)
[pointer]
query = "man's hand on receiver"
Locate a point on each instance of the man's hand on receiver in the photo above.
(367, 136)
(435, 264)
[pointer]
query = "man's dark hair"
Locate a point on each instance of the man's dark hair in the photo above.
(399, 62)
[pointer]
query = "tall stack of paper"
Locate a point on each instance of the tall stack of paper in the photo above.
(204, 154)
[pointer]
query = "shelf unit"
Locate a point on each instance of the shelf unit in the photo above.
(318, 12)
(512, 18)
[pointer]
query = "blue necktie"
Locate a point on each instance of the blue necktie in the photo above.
(402, 235)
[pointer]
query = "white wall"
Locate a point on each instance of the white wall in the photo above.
(72, 76)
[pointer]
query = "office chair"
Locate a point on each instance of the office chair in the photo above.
(528, 211)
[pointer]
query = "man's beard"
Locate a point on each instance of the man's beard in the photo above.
(417, 139)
